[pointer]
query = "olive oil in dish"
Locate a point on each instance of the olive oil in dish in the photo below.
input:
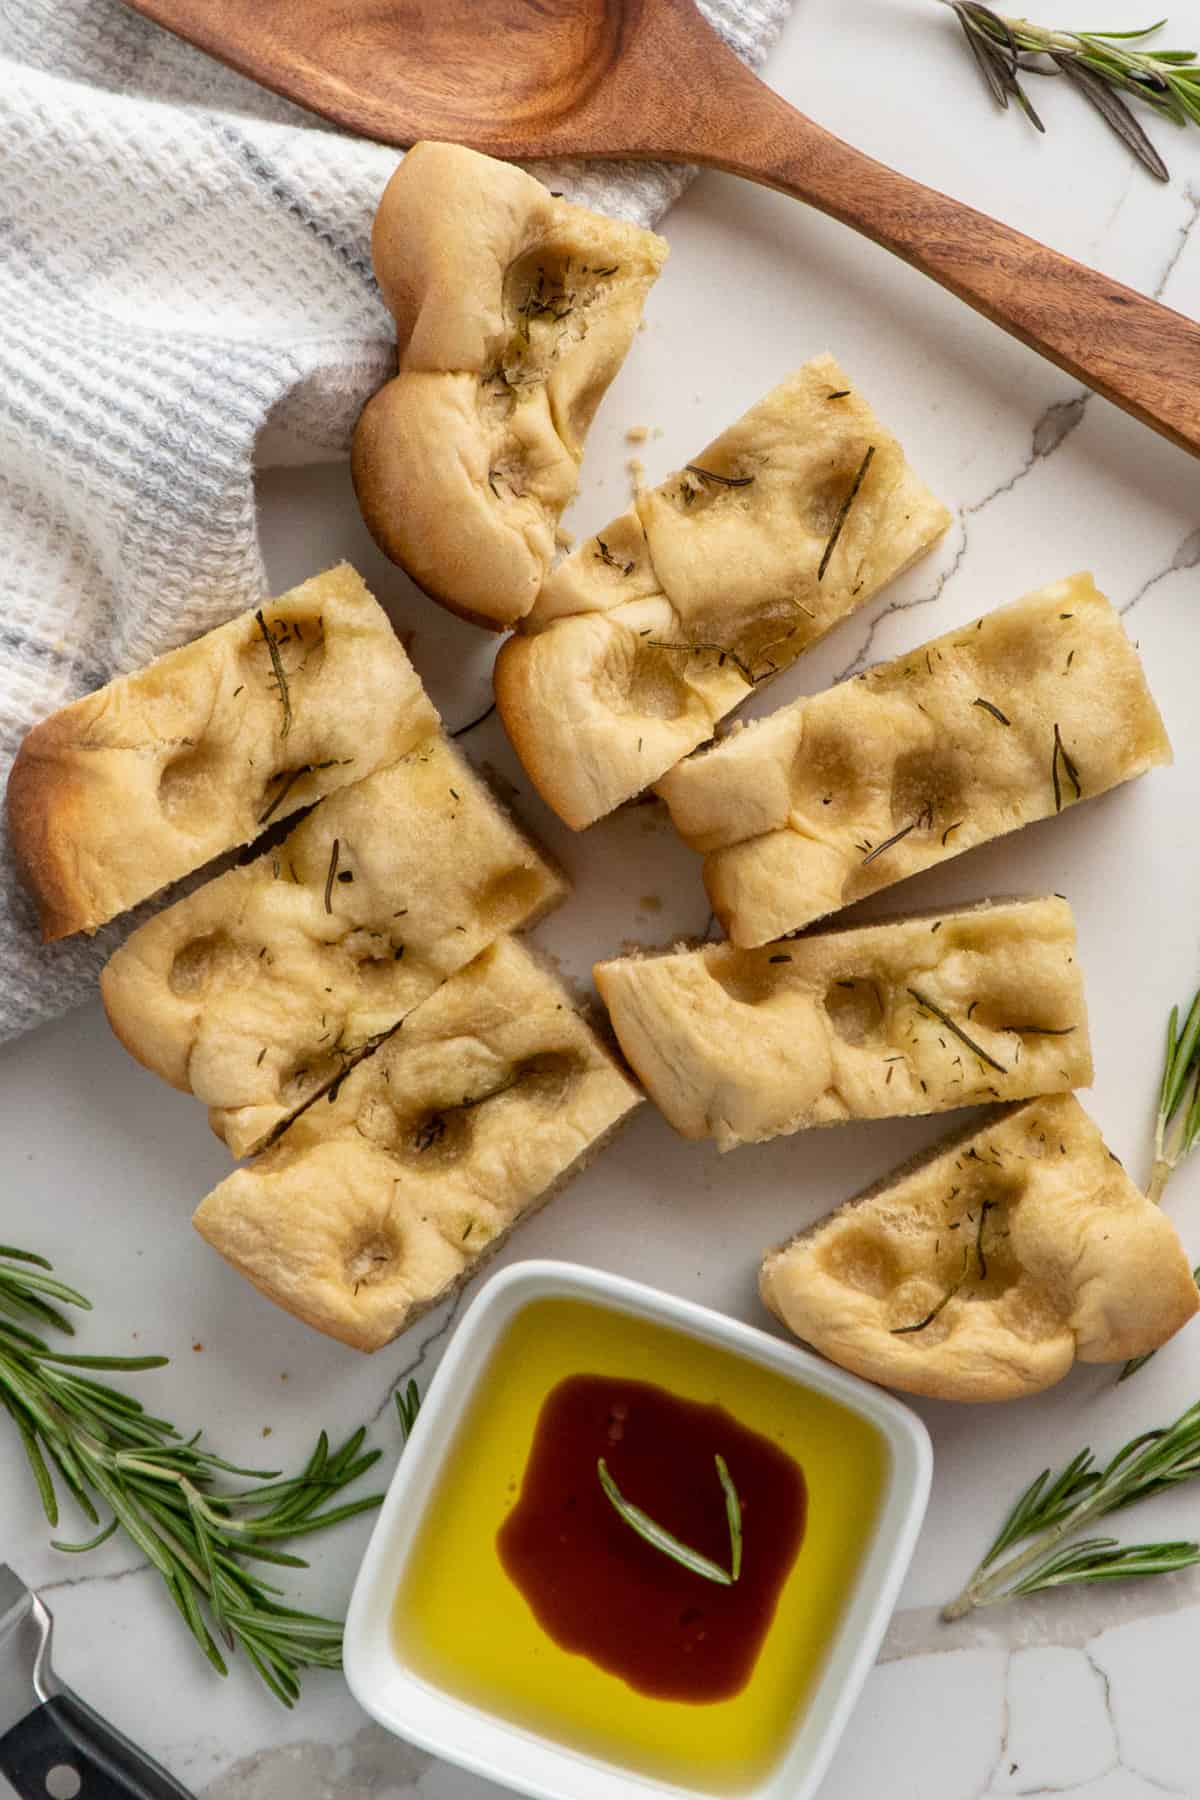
(597, 1638)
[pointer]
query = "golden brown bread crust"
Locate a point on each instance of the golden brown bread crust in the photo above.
(1009, 719)
(259, 990)
(741, 1045)
(376, 1205)
(140, 783)
(713, 581)
(986, 1267)
(514, 310)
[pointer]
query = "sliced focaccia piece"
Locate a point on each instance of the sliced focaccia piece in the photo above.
(909, 1016)
(990, 1265)
(375, 1205)
(1000, 722)
(514, 310)
(145, 780)
(712, 582)
(262, 988)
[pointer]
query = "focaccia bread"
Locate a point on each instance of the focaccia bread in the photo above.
(514, 310)
(986, 1268)
(263, 987)
(375, 1205)
(662, 623)
(908, 1016)
(145, 780)
(1006, 720)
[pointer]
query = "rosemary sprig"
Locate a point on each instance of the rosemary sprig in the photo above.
(664, 1540)
(1102, 66)
(844, 512)
(1178, 1098)
(408, 1405)
(1052, 1509)
(281, 682)
(100, 1447)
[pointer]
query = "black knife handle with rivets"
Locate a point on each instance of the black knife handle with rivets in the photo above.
(62, 1750)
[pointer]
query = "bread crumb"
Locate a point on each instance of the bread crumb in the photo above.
(637, 434)
(637, 472)
(266, 1431)
(197, 1346)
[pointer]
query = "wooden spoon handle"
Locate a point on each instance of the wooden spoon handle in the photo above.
(1136, 352)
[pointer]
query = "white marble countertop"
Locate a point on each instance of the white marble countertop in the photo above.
(1092, 1691)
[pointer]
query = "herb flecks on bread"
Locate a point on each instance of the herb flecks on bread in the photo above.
(880, 1021)
(1009, 719)
(377, 1203)
(514, 310)
(147, 779)
(724, 574)
(988, 1268)
(261, 989)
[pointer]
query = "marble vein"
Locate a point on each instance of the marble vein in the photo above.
(413, 1368)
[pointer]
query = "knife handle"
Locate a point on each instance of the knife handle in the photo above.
(62, 1749)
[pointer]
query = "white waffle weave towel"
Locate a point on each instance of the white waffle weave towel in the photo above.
(185, 290)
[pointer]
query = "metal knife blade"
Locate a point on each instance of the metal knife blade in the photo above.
(51, 1742)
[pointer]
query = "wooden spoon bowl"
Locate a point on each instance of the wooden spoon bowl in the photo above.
(650, 80)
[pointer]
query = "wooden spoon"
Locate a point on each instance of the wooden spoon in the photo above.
(649, 80)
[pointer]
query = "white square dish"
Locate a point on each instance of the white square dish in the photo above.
(408, 1703)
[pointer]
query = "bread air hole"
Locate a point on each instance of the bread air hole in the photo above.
(748, 978)
(635, 678)
(200, 962)
(373, 1260)
(855, 1008)
(373, 955)
(827, 779)
(826, 497)
(927, 793)
(507, 899)
(861, 1259)
(190, 788)
(443, 1134)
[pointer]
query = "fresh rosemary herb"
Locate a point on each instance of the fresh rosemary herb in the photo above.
(931, 1315)
(1039, 1030)
(725, 481)
(281, 682)
(1100, 65)
(1069, 769)
(994, 710)
(844, 511)
(408, 1405)
(1178, 1098)
(1052, 1509)
(977, 1049)
(333, 863)
(160, 1487)
(663, 1540)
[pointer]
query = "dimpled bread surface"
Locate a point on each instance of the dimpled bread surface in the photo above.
(514, 309)
(907, 1016)
(989, 1266)
(259, 990)
(1009, 719)
(149, 778)
(663, 622)
(376, 1203)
